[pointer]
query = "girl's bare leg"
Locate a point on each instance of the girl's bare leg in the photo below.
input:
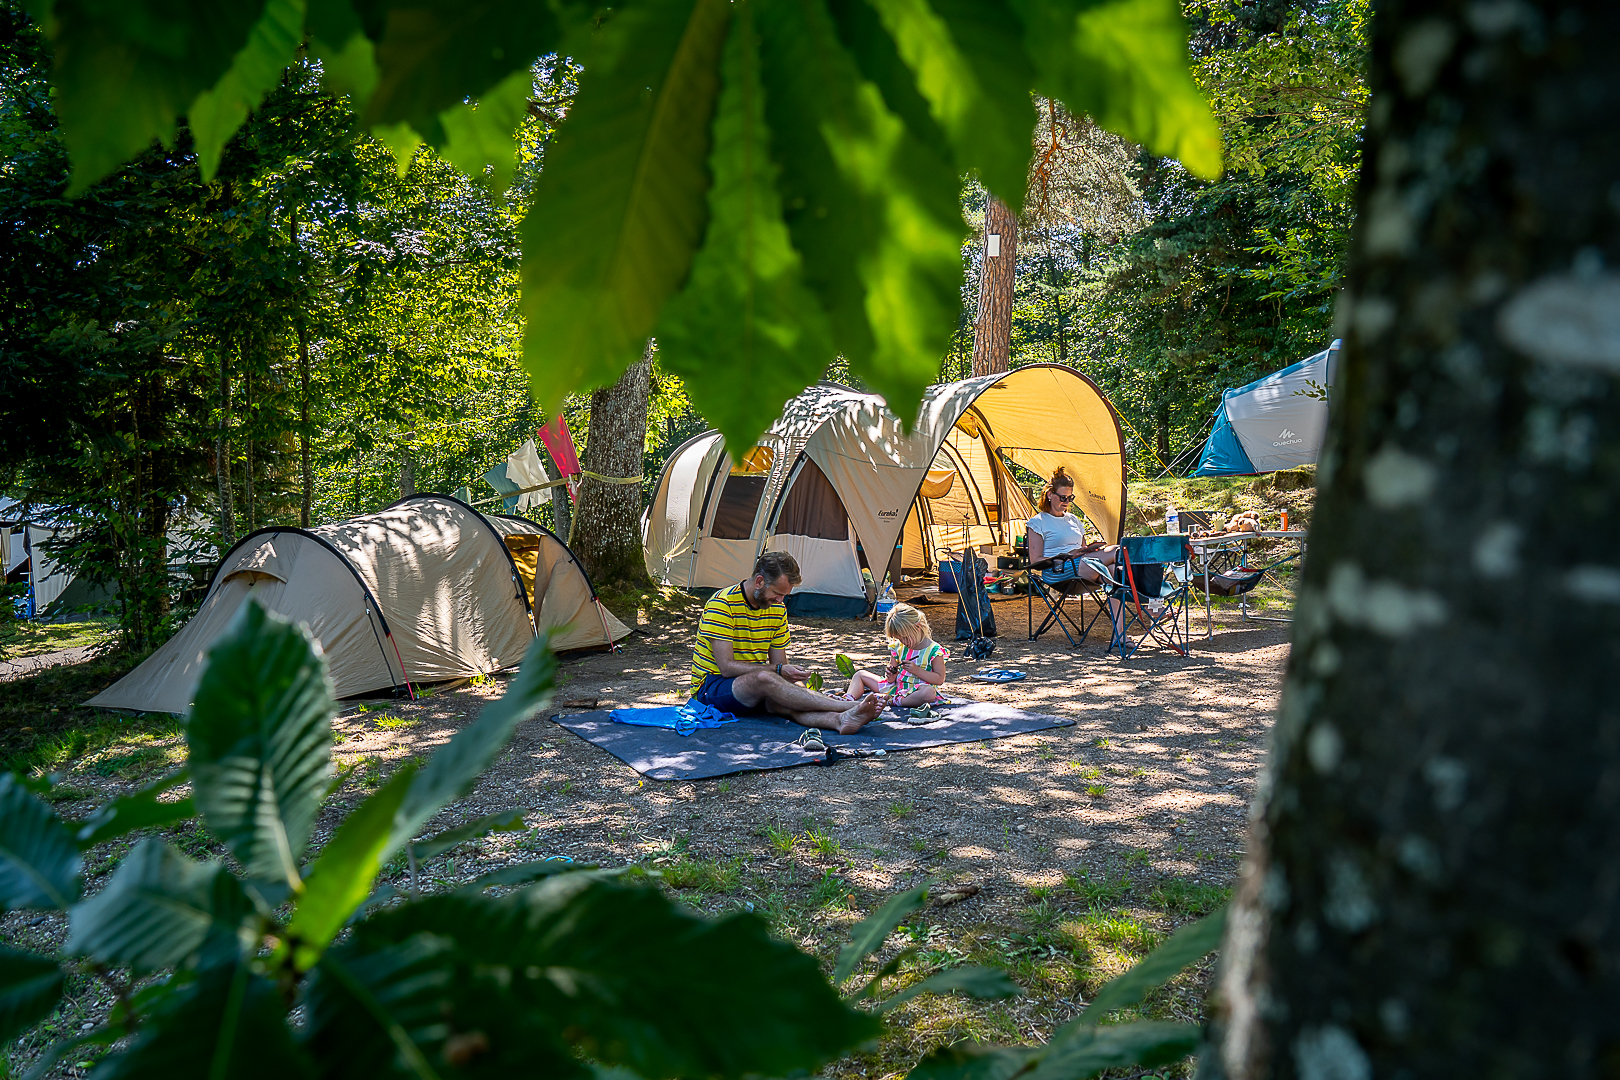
(861, 684)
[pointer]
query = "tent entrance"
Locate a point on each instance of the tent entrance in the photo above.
(968, 497)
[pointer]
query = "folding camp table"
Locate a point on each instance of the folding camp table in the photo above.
(1207, 548)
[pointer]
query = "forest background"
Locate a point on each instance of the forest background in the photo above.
(332, 323)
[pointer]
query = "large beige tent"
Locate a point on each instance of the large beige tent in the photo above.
(837, 482)
(426, 590)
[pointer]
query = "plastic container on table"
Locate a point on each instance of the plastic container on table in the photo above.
(947, 575)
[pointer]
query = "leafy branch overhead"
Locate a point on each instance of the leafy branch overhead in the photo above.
(762, 185)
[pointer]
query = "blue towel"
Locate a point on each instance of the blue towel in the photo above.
(681, 719)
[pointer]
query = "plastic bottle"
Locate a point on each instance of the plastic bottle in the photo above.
(1172, 521)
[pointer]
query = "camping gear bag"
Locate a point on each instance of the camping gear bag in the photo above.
(974, 618)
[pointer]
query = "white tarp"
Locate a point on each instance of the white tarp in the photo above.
(525, 469)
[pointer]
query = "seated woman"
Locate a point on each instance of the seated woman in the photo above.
(1057, 534)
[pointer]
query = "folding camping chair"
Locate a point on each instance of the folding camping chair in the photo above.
(1149, 594)
(1056, 594)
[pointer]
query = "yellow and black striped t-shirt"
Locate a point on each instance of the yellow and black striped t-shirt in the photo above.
(753, 634)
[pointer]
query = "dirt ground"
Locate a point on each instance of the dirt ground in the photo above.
(1086, 843)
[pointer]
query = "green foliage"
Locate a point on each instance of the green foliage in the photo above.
(849, 128)
(159, 909)
(870, 932)
(30, 987)
(39, 862)
(748, 300)
(124, 73)
(577, 967)
(260, 740)
(1186, 946)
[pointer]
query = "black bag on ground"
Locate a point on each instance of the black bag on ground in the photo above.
(974, 618)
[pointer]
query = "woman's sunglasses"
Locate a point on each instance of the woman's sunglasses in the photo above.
(1063, 498)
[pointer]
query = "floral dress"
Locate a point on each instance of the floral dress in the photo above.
(923, 657)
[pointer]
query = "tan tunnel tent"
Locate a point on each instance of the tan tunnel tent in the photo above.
(836, 482)
(427, 590)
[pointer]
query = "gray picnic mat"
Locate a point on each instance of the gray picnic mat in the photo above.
(763, 743)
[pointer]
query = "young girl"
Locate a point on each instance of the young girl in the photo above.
(916, 662)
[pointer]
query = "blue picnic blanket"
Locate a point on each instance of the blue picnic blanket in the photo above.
(681, 719)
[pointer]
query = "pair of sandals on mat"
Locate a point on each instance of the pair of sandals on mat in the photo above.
(815, 740)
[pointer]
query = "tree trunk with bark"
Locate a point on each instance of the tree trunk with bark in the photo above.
(607, 525)
(407, 466)
(306, 477)
(1433, 884)
(222, 454)
(307, 480)
(992, 330)
(248, 506)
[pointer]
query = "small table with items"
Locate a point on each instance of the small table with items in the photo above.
(1208, 550)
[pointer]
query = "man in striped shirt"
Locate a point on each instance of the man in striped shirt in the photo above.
(740, 663)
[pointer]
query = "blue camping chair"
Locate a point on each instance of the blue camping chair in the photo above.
(1056, 595)
(1149, 594)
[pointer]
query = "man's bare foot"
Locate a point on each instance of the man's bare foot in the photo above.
(865, 711)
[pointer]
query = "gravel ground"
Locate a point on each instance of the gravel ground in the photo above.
(1152, 783)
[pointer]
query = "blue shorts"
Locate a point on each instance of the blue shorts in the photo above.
(716, 693)
(1067, 569)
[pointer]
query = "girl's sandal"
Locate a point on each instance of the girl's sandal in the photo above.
(811, 740)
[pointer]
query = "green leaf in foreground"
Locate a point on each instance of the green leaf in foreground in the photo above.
(870, 933)
(260, 741)
(745, 310)
(484, 132)
(975, 982)
(159, 908)
(123, 72)
(141, 810)
(1186, 946)
(451, 772)
(217, 112)
(970, 1061)
(30, 987)
(720, 999)
(39, 862)
(846, 666)
(968, 60)
(438, 844)
(341, 877)
(521, 874)
(873, 209)
(1124, 62)
(619, 209)
(432, 55)
(229, 1022)
(1088, 1052)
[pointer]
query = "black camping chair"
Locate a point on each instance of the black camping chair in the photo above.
(1056, 595)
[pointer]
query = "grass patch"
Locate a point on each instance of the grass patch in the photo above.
(780, 840)
(1185, 897)
(43, 727)
(392, 721)
(1097, 893)
(822, 842)
(902, 809)
(1096, 791)
(24, 639)
(703, 875)
(135, 763)
(832, 891)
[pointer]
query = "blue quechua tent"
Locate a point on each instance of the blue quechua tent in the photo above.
(1275, 422)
